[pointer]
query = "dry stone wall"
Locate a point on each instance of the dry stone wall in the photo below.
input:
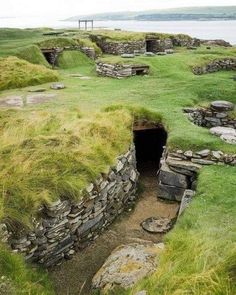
(120, 70)
(218, 114)
(178, 173)
(215, 66)
(118, 48)
(66, 226)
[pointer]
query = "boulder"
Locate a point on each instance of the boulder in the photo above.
(157, 225)
(126, 55)
(161, 53)
(57, 86)
(231, 139)
(170, 192)
(223, 131)
(222, 106)
(169, 51)
(167, 176)
(127, 265)
(186, 200)
(150, 54)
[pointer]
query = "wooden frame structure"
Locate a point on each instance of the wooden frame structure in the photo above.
(85, 22)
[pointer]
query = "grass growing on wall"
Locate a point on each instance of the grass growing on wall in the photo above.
(72, 59)
(51, 156)
(32, 54)
(57, 42)
(16, 73)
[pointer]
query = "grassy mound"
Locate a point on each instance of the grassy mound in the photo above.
(33, 55)
(83, 42)
(55, 155)
(16, 73)
(17, 278)
(57, 42)
(198, 260)
(72, 59)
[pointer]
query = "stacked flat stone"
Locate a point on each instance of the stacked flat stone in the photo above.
(89, 51)
(179, 169)
(218, 114)
(66, 226)
(120, 71)
(215, 66)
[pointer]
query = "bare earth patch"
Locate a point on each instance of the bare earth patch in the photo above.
(18, 101)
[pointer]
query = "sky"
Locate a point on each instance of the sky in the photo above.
(67, 8)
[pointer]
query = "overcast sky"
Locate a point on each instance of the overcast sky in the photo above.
(66, 8)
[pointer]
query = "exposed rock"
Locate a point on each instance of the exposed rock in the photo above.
(223, 131)
(157, 225)
(38, 90)
(186, 200)
(12, 101)
(127, 265)
(169, 51)
(215, 66)
(184, 165)
(222, 106)
(150, 54)
(126, 55)
(143, 292)
(167, 176)
(170, 192)
(204, 153)
(161, 53)
(231, 139)
(57, 86)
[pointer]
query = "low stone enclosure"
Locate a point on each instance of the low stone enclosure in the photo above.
(217, 114)
(225, 64)
(121, 70)
(150, 43)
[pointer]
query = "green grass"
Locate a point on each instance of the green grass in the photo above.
(56, 148)
(200, 255)
(32, 54)
(52, 155)
(72, 59)
(20, 278)
(16, 73)
(57, 42)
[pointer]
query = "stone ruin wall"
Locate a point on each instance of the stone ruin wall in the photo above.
(66, 227)
(177, 176)
(119, 71)
(224, 64)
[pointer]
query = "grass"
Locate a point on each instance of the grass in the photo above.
(200, 255)
(57, 42)
(54, 149)
(73, 59)
(51, 156)
(19, 278)
(16, 73)
(32, 54)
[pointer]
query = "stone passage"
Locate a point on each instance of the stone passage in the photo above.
(149, 140)
(52, 55)
(66, 226)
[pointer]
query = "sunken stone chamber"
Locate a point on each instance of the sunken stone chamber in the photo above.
(65, 227)
(121, 70)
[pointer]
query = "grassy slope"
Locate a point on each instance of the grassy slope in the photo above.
(16, 73)
(72, 59)
(32, 54)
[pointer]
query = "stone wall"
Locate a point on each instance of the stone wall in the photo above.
(179, 169)
(218, 114)
(65, 226)
(225, 64)
(118, 48)
(120, 70)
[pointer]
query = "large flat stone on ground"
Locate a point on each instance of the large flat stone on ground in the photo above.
(39, 98)
(223, 131)
(157, 225)
(127, 265)
(167, 176)
(184, 167)
(12, 101)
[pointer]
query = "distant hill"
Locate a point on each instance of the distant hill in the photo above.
(188, 13)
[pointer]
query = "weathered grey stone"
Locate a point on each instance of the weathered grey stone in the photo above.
(157, 225)
(170, 192)
(57, 86)
(203, 161)
(183, 165)
(223, 131)
(143, 292)
(222, 106)
(167, 176)
(127, 55)
(204, 153)
(231, 139)
(186, 200)
(127, 265)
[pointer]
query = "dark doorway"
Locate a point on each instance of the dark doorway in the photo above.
(151, 45)
(149, 145)
(51, 56)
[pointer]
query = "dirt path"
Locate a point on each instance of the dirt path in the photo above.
(74, 276)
